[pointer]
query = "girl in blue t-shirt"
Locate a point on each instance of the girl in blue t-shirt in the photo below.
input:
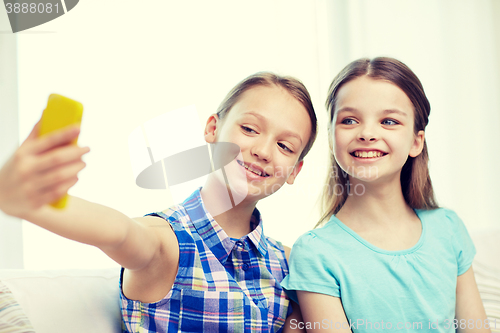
(387, 257)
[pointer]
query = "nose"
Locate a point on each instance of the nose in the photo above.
(367, 133)
(262, 150)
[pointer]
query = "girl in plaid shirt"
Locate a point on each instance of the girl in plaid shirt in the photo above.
(184, 270)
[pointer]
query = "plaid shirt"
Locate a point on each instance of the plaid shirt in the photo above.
(222, 285)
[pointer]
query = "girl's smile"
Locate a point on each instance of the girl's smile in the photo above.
(271, 128)
(373, 125)
(367, 155)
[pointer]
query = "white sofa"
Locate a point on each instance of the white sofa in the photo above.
(83, 301)
(67, 301)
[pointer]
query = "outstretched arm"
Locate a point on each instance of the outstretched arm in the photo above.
(469, 308)
(43, 169)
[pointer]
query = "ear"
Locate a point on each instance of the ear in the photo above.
(418, 144)
(295, 172)
(211, 128)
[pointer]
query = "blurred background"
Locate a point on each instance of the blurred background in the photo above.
(130, 61)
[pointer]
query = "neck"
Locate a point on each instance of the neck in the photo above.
(234, 220)
(380, 202)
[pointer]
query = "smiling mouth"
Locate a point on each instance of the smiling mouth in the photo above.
(249, 168)
(367, 154)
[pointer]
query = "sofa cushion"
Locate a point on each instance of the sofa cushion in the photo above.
(12, 317)
(68, 300)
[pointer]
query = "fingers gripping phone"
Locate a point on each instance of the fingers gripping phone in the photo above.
(59, 113)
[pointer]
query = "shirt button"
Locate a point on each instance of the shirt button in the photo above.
(239, 243)
(245, 267)
(256, 301)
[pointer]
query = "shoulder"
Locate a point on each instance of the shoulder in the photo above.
(172, 221)
(437, 212)
(315, 243)
(322, 236)
(161, 224)
(175, 215)
(277, 247)
(445, 224)
(454, 222)
(310, 238)
(451, 215)
(459, 238)
(278, 253)
(444, 217)
(287, 252)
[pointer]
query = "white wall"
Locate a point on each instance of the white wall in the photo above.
(11, 240)
(130, 61)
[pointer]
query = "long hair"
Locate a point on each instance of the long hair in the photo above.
(293, 86)
(415, 180)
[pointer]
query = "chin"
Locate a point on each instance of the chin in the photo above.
(239, 191)
(366, 180)
(264, 190)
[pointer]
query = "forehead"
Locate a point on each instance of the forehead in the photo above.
(267, 97)
(367, 94)
(276, 107)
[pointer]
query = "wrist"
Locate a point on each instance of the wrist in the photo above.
(30, 215)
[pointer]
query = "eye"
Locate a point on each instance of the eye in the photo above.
(247, 129)
(284, 147)
(348, 121)
(389, 122)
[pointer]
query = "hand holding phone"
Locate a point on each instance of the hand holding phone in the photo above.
(60, 113)
(43, 169)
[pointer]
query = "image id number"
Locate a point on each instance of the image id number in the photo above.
(32, 8)
(471, 324)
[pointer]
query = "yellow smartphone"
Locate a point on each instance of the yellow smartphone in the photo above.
(59, 113)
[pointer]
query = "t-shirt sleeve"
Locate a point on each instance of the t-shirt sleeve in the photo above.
(309, 269)
(462, 243)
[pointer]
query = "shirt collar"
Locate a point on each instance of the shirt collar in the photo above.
(214, 236)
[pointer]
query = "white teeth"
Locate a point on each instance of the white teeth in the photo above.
(257, 172)
(359, 153)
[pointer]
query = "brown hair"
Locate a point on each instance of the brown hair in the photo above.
(415, 180)
(293, 86)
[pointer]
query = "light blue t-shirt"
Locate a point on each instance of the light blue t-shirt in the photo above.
(411, 290)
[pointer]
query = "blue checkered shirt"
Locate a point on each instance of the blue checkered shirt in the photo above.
(222, 285)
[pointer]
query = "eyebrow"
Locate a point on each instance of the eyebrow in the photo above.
(285, 132)
(385, 112)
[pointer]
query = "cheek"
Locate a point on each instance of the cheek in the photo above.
(282, 165)
(339, 142)
(407, 142)
(234, 136)
(402, 145)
